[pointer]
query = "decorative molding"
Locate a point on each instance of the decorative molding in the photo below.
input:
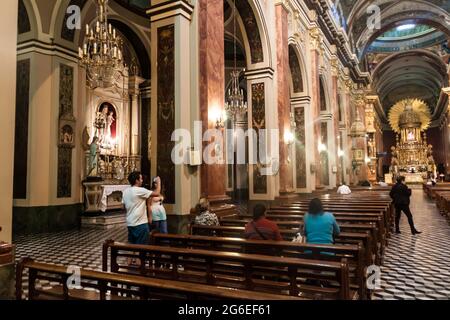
(166, 108)
(259, 123)
(170, 9)
(66, 132)
(300, 147)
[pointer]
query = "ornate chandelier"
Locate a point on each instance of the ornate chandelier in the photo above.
(235, 104)
(101, 54)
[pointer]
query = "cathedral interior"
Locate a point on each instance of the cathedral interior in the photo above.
(240, 102)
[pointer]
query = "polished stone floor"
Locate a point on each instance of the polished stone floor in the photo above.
(418, 267)
(415, 267)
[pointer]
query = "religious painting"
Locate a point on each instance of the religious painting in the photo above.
(66, 133)
(108, 115)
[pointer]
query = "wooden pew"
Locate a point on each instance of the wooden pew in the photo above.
(345, 238)
(431, 190)
(296, 225)
(443, 202)
(260, 273)
(386, 211)
(353, 253)
(110, 286)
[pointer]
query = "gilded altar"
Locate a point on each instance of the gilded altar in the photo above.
(412, 157)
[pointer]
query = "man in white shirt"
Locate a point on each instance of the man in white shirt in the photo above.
(344, 189)
(137, 200)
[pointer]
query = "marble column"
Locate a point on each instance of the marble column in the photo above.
(315, 44)
(8, 61)
(212, 89)
(284, 108)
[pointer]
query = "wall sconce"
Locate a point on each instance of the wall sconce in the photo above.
(322, 147)
(341, 153)
(218, 117)
(289, 137)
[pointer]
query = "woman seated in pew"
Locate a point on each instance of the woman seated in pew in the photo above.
(261, 228)
(205, 217)
(319, 227)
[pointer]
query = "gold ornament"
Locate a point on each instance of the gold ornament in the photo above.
(410, 111)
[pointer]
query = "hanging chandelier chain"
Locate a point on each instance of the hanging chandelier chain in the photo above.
(235, 104)
(234, 34)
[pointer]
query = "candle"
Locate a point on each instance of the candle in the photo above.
(105, 49)
(114, 33)
(110, 28)
(120, 55)
(87, 30)
(95, 48)
(80, 53)
(85, 49)
(115, 52)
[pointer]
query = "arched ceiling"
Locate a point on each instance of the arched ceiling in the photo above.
(137, 6)
(393, 13)
(411, 74)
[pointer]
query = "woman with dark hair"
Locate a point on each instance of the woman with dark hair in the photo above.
(159, 217)
(319, 227)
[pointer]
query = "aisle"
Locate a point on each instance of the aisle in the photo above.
(418, 267)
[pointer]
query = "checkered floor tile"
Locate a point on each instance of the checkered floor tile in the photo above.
(415, 267)
(418, 267)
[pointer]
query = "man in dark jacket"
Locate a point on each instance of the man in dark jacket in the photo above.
(400, 193)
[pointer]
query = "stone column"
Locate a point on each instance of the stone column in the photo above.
(8, 58)
(284, 110)
(135, 158)
(262, 116)
(335, 111)
(135, 82)
(173, 80)
(445, 137)
(315, 44)
(212, 89)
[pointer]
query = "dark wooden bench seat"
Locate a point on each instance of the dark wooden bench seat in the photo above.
(260, 273)
(353, 253)
(345, 238)
(112, 286)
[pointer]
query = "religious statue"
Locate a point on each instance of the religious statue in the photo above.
(93, 158)
(109, 121)
(119, 170)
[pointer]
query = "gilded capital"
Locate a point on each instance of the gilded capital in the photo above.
(315, 38)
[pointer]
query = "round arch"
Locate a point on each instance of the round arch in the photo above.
(297, 66)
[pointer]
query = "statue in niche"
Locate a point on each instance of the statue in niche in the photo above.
(109, 121)
(107, 118)
(93, 158)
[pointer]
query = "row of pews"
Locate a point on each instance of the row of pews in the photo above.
(440, 193)
(216, 262)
